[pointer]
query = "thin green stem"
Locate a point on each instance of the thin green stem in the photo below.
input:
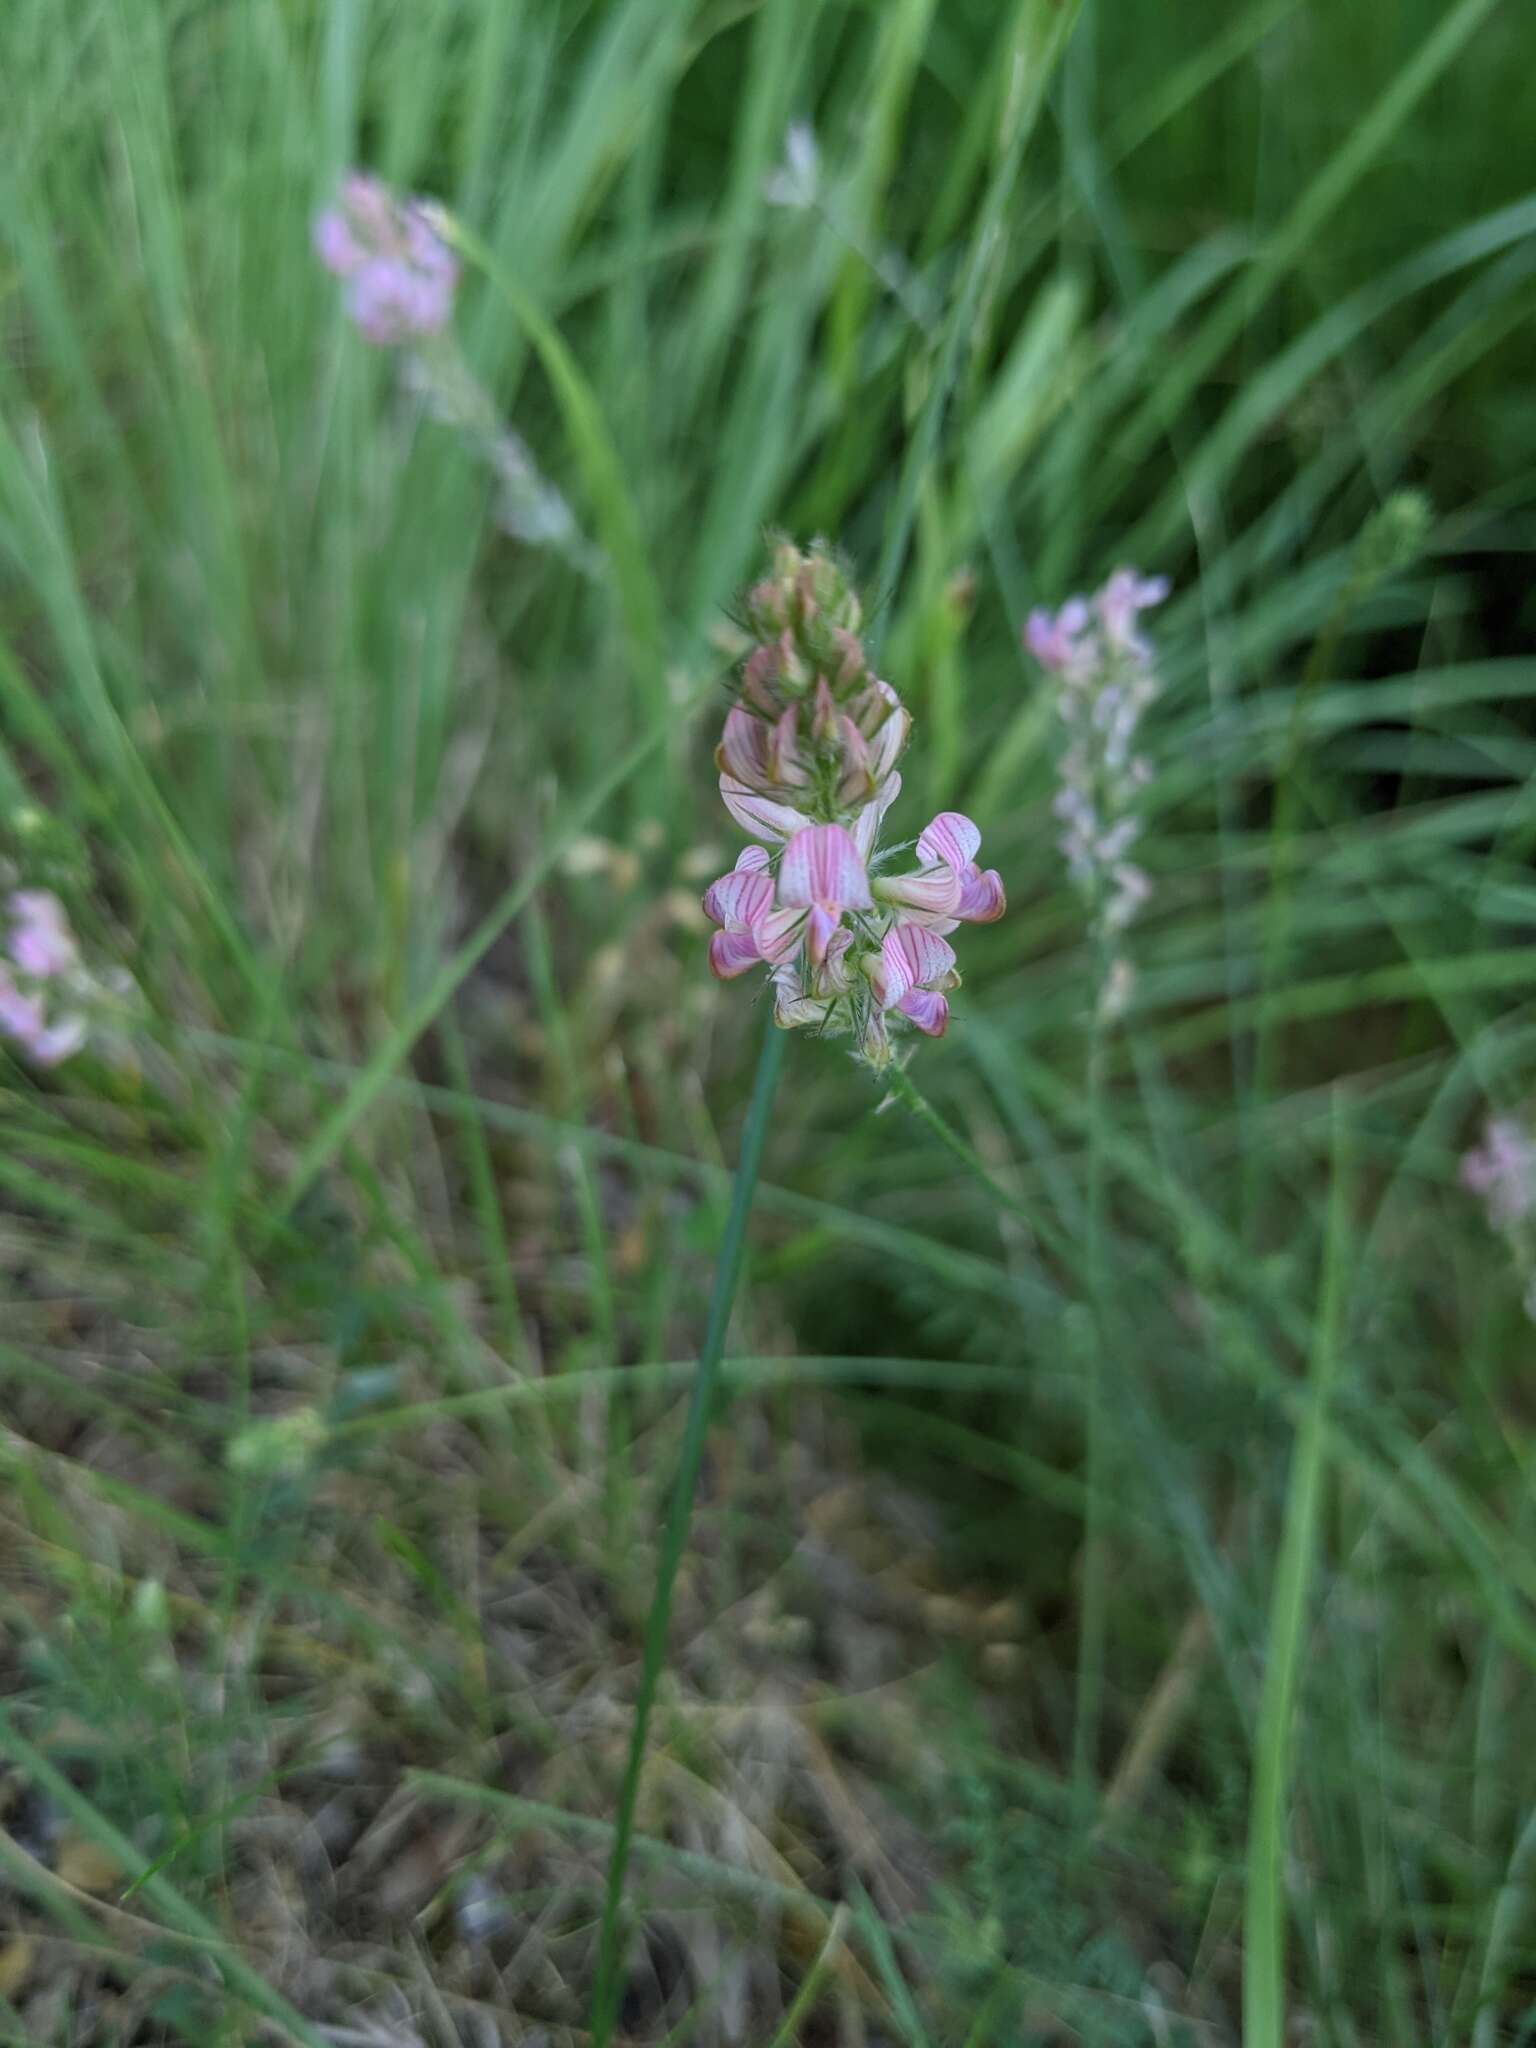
(900, 1084)
(610, 1950)
(1092, 1618)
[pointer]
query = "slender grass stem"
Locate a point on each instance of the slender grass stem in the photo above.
(610, 1951)
(1093, 1615)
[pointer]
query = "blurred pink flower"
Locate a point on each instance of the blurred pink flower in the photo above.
(40, 942)
(1503, 1172)
(1055, 638)
(24, 1018)
(400, 274)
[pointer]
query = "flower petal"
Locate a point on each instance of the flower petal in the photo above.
(739, 899)
(866, 827)
(820, 924)
(927, 958)
(822, 864)
(744, 748)
(982, 900)
(832, 976)
(759, 815)
(951, 837)
(780, 935)
(732, 953)
(929, 1012)
(926, 893)
(890, 973)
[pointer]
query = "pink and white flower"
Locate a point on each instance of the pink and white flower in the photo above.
(738, 903)
(40, 941)
(949, 888)
(821, 876)
(914, 969)
(399, 272)
(807, 766)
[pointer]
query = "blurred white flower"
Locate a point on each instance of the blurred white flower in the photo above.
(797, 180)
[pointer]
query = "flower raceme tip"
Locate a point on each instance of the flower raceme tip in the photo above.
(391, 254)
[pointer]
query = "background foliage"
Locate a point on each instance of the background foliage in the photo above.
(1083, 1615)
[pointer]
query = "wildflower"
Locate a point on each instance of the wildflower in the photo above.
(1502, 1171)
(50, 1002)
(399, 271)
(401, 277)
(807, 765)
(42, 952)
(1103, 669)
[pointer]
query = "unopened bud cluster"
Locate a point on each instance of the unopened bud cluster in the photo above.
(808, 766)
(1105, 678)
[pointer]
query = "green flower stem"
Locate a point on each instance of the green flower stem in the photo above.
(611, 1939)
(896, 1080)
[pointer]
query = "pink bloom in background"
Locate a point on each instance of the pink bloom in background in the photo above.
(400, 275)
(1120, 603)
(1055, 638)
(43, 966)
(1102, 671)
(1502, 1171)
(807, 765)
(949, 888)
(41, 942)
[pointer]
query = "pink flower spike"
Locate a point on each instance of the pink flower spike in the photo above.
(823, 866)
(982, 900)
(759, 815)
(927, 1010)
(951, 837)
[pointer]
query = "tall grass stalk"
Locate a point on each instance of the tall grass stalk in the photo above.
(674, 1536)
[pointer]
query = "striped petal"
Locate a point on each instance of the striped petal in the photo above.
(823, 865)
(929, 1012)
(759, 815)
(926, 957)
(740, 898)
(866, 827)
(780, 935)
(926, 893)
(981, 896)
(951, 837)
(745, 749)
(732, 953)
